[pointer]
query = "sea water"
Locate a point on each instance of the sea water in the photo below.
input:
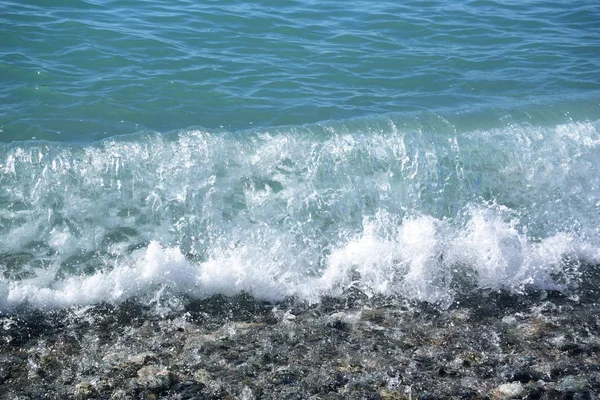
(422, 149)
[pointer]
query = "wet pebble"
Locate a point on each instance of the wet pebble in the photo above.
(153, 378)
(374, 349)
(507, 391)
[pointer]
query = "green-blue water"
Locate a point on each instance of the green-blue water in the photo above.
(296, 147)
(80, 70)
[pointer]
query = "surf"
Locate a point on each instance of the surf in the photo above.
(426, 208)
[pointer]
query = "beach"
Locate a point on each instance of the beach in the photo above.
(299, 200)
(492, 346)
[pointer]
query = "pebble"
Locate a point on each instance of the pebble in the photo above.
(153, 378)
(572, 383)
(84, 390)
(143, 359)
(507, 391)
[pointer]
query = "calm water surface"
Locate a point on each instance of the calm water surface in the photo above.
(81, 70)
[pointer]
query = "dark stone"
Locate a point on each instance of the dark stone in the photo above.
(534, 393)
(562, 370)
(467, 394)
(339, 325)
(525, 376)
(334, 382)
(284, 378)
(29, 325)
(553, 394)
(188, 390)
(572, 348)
(443, 371)
(583, 395)
(240, 308)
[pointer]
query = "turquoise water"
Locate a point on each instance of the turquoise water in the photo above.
(85, 70)
(296, 148)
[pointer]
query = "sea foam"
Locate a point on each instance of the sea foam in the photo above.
(422, 258)
(381, 205)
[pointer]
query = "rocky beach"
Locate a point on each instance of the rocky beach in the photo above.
(488, 345)
(378, 200)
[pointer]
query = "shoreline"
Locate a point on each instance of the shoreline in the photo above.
(493, 346)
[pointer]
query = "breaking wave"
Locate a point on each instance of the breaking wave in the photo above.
(424, 208)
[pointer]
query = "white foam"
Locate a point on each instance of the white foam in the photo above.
(301, 213)
(422, 257)
(416, 257)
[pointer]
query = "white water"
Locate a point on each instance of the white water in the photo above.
(423, 211)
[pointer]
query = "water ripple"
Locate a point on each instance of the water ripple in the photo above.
(84, 69)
